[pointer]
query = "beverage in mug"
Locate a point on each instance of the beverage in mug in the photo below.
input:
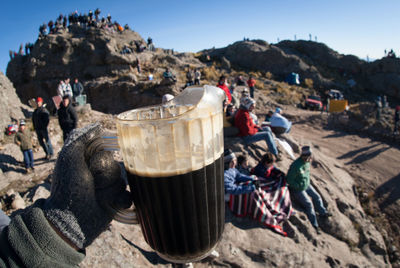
(173, 154)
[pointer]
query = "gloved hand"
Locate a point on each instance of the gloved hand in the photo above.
(85, 183)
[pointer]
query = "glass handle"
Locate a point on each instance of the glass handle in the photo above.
(109, 142)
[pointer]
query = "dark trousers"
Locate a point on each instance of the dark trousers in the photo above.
(44, 141)
(252, 92)
(66, 132)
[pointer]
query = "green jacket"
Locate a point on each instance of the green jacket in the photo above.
(298, 176)
(29, 241)
(25, 139)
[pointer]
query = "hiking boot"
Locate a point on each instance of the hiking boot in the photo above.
(278, 157)
(317, 230)
(28, 170)
(214, 254)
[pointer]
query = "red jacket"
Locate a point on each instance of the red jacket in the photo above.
(251, 82)
(227, 92)
(244, 123)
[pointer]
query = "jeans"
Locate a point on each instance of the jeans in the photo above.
(252, 92)
(28, 158)
(4, 220)
(303, 197)
(264, 134)
(44, 141)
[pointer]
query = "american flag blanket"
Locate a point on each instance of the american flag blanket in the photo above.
(270, 204)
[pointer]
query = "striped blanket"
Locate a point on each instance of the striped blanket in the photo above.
(270, 204)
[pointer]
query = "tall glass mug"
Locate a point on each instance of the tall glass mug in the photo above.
(173, 154)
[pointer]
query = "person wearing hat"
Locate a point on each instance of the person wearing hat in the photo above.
(298, 178)
(24, 141)
(67, 117)
(40, 120)
(232, 177)
(250, 131)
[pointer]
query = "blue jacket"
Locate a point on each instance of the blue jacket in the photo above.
(231, 179)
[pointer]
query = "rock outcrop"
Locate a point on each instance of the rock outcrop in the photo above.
(10, 105)
(326, 67)
(110, 76)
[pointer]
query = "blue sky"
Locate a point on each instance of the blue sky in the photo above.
(353, 27)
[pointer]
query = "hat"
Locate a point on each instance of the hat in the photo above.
(66, 97)
(246, 102)
(278, 110)
(22, 122)
(228, 156)
(39, 99)
(306, 150)
(167, 98)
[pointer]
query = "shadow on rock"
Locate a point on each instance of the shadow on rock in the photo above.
(152, 257)
(9, 163)
(390, 191)
(355, 152)
(367, 156)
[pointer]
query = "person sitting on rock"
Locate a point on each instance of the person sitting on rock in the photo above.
(229, 129)
(281, 127)
(266, 168)
(240, 81)
(67, 117)
(298, 178)
(222, 85)
(249, 131)
(243, 164)
(168, 76)
(268, 116)
(23, 139)
(232, 177)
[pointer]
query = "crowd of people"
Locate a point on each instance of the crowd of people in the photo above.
(252, 191)
(86, 20)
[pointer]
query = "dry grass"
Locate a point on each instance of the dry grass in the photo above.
(260, 85)
(269, 75)
(288, 94)
(211, 73)
(308, 82)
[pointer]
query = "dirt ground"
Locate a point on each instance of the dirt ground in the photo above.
(374, 165)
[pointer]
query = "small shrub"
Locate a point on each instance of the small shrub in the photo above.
(308, 82)
(269, 75)
(260, 85)
(211, 73)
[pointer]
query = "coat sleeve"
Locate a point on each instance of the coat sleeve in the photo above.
(30, 241)
(74, 116)
(231, 187)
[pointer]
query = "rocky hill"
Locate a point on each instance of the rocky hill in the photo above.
(111, 78)
(11, 107)
(326, 67)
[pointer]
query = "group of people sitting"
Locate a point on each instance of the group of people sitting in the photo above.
(263, 192)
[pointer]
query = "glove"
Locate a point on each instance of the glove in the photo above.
(86, 182)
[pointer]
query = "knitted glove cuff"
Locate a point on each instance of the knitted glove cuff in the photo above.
(67, 224)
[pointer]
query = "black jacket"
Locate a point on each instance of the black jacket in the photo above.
(67, 117)
(77, 89)
(40, 118)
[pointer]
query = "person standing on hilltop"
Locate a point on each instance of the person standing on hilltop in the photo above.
(67, 117)
(197, 76)
(251, 83)
(298, 178)
(77, 88)
(68, 88)
(24, 140)
(222, 85)
(40, 120)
